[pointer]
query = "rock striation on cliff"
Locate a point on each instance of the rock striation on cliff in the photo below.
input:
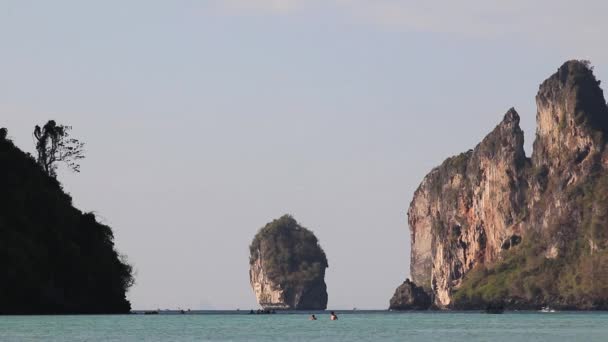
(54, 258)
(287, 267)
(491, 225)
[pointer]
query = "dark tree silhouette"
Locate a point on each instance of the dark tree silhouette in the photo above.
(54, 144)
(54, 258)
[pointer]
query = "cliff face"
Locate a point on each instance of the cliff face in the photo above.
(54, 258)
(465, 210)
(492, 225)
(269, 294)
(287, 267)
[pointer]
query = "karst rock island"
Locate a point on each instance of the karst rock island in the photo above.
(287, 267)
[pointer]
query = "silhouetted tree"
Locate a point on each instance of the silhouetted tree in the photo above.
(3, 133)
(53, 144)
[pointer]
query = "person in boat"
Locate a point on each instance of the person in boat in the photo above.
(333, 316)
(313, 317)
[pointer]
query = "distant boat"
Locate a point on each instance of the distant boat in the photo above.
(547, 309)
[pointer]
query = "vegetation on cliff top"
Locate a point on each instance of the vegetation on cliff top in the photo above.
(54, 144)
(54, 258)
(290, 253)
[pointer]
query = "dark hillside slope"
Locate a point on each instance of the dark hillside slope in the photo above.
(54, 259)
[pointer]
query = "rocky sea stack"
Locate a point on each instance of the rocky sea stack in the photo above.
(408, 296)
(54, 258)
(287, 267)
(492, 225)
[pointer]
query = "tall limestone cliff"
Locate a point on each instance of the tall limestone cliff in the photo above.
(54, 258)
(493, 225)
(287, 267)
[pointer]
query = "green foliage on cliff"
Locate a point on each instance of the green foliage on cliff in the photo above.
(592, 198)
(529, 281)
(290, 253)
(53, 257)
(528, 278)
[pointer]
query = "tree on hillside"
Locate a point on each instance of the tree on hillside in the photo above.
(54, 144)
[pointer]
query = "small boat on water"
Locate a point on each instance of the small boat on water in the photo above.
(547, 309)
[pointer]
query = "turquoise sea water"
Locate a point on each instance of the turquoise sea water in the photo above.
(367, 326)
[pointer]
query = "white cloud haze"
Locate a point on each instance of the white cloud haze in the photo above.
(579, 26)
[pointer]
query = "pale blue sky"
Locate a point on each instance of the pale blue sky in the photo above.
(206, 119)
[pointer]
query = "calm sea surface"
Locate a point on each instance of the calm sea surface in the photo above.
(360, 326)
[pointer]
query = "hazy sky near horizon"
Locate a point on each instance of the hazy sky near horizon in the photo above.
(204, 120)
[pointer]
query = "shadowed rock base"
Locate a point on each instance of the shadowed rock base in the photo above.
(408, 296)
